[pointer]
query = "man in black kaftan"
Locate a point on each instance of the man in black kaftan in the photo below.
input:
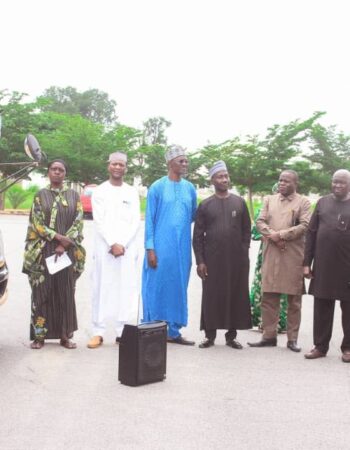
(221, 240)
(328, 249)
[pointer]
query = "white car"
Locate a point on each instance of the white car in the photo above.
(4, 273)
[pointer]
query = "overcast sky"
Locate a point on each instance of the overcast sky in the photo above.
(215, 69)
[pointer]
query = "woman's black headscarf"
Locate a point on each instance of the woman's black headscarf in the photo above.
(58, 160)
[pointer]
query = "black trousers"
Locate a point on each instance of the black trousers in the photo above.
(230, 335)
(323, 323)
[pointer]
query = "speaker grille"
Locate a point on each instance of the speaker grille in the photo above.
(142, 353)
(152, 355)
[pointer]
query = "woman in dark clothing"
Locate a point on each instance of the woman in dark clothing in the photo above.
(55, 227)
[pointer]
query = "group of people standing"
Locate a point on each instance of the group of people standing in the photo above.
(293, 247)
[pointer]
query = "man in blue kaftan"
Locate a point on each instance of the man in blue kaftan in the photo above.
(171, 207)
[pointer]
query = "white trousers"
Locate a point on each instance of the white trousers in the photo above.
(115, 289)
(99, 327)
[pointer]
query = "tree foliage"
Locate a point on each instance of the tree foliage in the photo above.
(329, 150)
(92, 104)
(147, 158)
(81, 128)
(255, 163)
(16, 195)
(79, 142)
(18, 118)
(153, 164)
(154, 131)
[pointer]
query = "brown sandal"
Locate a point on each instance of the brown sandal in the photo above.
(67, 343)
(37, 344)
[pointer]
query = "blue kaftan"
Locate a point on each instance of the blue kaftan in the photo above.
(171, 207)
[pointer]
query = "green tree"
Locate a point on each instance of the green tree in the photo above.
(255, 163)
(152, 163)
(329, 151)
(92, 104)
(247, 163)
(16, 195)
(18, 119)
(128, 140)
(308, 175)
(79, 142)
(147, 155)
(154, 131)
(196, 174)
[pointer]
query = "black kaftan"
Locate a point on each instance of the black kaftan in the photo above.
(328, 248)
(221, 240)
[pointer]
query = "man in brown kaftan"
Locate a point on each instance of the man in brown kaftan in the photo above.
(283, 221)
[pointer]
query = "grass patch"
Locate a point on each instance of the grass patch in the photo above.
(143, 204)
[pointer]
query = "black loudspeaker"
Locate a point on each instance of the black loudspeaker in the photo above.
(142, 353)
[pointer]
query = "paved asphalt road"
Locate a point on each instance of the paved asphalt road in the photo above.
(212, 399)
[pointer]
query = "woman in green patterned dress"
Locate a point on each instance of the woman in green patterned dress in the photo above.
(55, 227)
(255, 292)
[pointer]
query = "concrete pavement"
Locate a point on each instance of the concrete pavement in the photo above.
(214, 398)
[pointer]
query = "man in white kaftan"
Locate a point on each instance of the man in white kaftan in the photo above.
(116, 213)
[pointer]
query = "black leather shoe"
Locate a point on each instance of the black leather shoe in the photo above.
(292, 345)
(206, 343)
(272, 342)
(180, 340)
(234, 344)
(346, 356)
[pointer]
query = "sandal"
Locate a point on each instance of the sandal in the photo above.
(37, 344)
(67, 343)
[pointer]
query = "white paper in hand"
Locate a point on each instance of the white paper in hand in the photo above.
(62, 262)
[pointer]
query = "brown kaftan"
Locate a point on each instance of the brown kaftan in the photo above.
(282, 271)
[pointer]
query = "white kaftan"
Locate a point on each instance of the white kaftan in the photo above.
(116, 212)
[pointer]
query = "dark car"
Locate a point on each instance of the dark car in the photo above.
(85, 199)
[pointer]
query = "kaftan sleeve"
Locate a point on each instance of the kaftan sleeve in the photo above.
(199, 235)
(311, 234)
(194, 204)
(262, 220)
(303, 220)
(150, 217)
